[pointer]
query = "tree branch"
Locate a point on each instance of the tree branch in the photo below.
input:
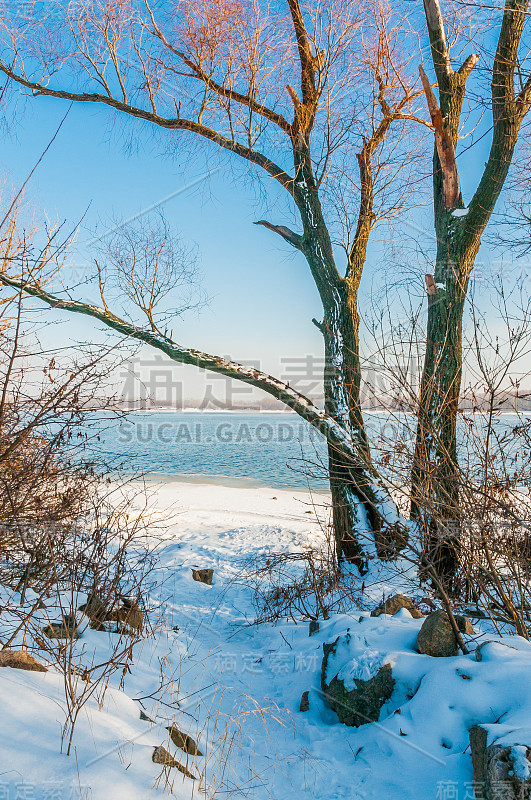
(295, 239)
(444, 145)
(223, 91)
(439, 48)
(306, 58)
(524, 98)
(508, 112)
(468, 65)
(176, 123)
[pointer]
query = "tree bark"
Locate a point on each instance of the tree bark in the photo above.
(435, 474)
(354, 504)
(353, 518)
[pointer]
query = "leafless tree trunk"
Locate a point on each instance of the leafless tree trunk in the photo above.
(435, 481)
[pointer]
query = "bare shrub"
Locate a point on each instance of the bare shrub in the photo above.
(292, 585)
(66, 531)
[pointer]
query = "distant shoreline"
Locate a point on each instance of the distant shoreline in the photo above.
(523, 413)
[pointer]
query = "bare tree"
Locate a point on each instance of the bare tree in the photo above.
(292, 94)
(459, 228)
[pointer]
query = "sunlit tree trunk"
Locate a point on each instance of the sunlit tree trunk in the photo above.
(435, 474)
(355, 505)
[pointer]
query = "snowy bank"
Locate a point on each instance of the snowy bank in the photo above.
(235, 686)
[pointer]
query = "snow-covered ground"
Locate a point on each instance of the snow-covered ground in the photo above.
(235, 686)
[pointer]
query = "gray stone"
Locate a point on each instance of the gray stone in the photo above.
(501, 772)
(436, 636)
(305, 702)
(129, 615)
(94, 608)
(203, 576)
(393, 605)
(67, 629)
(314, 627)
(361, 705)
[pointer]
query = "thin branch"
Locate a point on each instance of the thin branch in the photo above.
(223, 91)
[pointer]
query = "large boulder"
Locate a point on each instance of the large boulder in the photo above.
(393, 605)
(436, 636)
(20, 659)
(361, 704)
(501, 771)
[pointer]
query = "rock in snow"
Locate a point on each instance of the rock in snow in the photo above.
(437, 638)
(305, 702)
(67, 629)
(203, 576)
(361, 704)
(501, 772)
(393, 604)
(20, 659)
(183, 741)
(165, 759)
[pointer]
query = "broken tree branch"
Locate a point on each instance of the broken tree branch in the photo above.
(444, 145)
(294, 239)
(434, 21)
